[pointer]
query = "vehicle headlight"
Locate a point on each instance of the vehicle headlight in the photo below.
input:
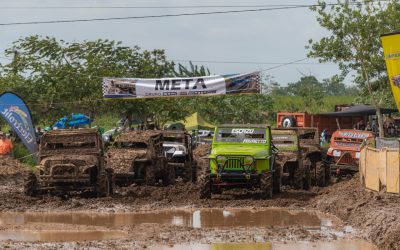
(248, 160)
(221, 160)
(337, 153)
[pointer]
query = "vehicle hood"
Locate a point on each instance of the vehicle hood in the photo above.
(120, 159)
(255, 151)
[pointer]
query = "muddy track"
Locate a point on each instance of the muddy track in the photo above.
(374, 215)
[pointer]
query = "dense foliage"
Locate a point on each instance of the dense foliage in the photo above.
(354, 44)
(56, 78)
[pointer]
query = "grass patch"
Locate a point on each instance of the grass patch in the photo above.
(22, 154)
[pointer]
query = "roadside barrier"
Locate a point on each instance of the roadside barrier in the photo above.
(380, 169)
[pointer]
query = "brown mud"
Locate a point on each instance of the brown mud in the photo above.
(374, 217)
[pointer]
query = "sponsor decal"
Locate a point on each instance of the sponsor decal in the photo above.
(356, 135)
(254, 141)
(242, 131)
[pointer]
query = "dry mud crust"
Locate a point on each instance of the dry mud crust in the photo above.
(375, 215)
(120, 159)
(12, 171)
(137, 135)
(199, 153)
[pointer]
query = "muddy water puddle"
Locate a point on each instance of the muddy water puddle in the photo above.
(205, 218)
(62, 235)
(35, 226)
(318, 245)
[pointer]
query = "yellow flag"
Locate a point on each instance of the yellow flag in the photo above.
(391, 50)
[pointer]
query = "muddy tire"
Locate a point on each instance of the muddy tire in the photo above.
(298, 174)
(320, 174)
(327, 174)
(111, 180)
(266, 185)
(30, 185)
(194, 172)
(150, 175)
(169, 175)
(102, 185)
(307, 178)
(205, 185)
(277, 179)
(187, 175)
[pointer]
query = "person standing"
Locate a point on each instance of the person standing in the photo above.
(6, 147)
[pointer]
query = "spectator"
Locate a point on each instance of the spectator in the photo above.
(6, 147)
(127, 124)
(360, 125)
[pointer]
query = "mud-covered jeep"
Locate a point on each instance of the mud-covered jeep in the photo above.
(241, 156)
(301, 158)
(178, 146)
(139, 157)
(71, 160)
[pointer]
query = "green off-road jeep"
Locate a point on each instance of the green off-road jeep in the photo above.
(241, 156)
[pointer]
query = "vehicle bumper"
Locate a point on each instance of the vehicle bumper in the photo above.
(234, 180)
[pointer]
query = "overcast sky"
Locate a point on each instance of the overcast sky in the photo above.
(277, 36)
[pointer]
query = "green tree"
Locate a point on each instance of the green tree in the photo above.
(354, 44)
(57, 77)
(309, 88)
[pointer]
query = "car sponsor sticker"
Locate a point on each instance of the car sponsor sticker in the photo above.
(242, 131)
(254, 141)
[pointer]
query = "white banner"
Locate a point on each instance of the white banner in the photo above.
(176, 86)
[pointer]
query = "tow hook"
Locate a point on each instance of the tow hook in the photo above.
(247, 176)
(338, 171)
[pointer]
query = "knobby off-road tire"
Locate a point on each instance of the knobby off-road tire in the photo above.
(187, 174)
(277, 179)
(169, 175)
(266, 185)
(307, 177)
(320, 170)
(298, 174)
(205, 185)
(150, 175)
(194, 171)
(102, 185)
(111, 180)
(327, 173)
(30, 185)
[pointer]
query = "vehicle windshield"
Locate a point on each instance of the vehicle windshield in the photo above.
(282, 140)
(243, 135)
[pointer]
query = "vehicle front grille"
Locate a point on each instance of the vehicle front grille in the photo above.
(234, 162)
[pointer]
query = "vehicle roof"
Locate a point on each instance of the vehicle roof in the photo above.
(79, 131)
(284, 131)
(137, 135)
(297, 128)
(243, 126)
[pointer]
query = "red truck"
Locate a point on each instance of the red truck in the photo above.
(319, 121)
(344, 150)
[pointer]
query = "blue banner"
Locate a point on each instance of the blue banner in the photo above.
(14, 110)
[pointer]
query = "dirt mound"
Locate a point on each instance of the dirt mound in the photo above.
(375, 214)
(10, 166)
(12, 171)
